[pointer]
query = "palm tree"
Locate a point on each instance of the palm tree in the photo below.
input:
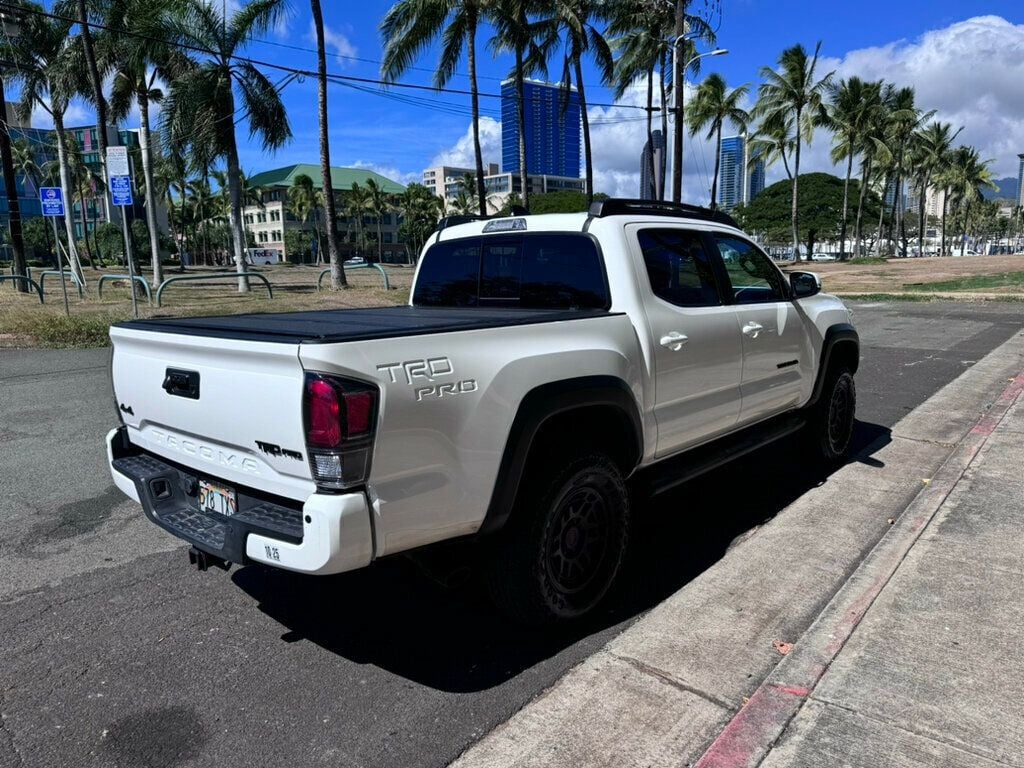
(793, 91)
(201, 200)
(23, 155)
(135, 60)
(167, 172)
(379, 205)
(514, 32)
(904, 118)
(47, 76)
(302, 200)
(930, 146)
(773, 141)
(201, 104)
(356, 203)
(712, 106)
(420, 212)
(410, 26)
(572, 22)
(338, 279)
(968, 174)
(846, 115)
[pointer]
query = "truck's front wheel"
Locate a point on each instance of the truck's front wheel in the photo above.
(565, 544)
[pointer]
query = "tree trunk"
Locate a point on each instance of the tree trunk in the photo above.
(65, 182)
(858, 230)
(13, 206)
(475, 99)
(96, 81)
(147, 173)
(85, 228)
(881, 223)
(718, 160)
(235, 195)
(651, 193)
(524, 174)
(796, 183)
(380, 237)
(588, 159)
(963, 238)
(338, 279)
(846, 207)
(664, 131)
(945, 209)
(921, 223)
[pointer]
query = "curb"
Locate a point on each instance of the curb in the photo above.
(752, 732)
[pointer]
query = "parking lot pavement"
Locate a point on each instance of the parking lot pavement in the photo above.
(116, 653)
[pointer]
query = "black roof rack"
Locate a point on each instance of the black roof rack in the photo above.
(619, 206)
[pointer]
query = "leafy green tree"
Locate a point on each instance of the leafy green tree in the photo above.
(930, 153)
(302, 199)
(356, 203)
(37, 238)
(821, 207)
(792, 92)
(379, 205)
(201, 104)
(565, 201)
(411, 26)
(421, 210)
(713, 106)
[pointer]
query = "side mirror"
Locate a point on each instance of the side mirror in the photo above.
(804, 284)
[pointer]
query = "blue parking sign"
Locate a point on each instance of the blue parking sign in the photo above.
(121, 190)
(52, 199)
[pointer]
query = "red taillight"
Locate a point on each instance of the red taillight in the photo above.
(324, 412)
(340, 416)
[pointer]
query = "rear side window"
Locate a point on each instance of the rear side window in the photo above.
(541, 271)
(678, 267)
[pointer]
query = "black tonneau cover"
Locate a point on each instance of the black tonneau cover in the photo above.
(335, 325)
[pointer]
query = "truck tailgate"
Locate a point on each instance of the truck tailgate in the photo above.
(226, 407)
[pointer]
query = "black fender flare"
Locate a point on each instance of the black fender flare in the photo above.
(840, 333)
(537, 407)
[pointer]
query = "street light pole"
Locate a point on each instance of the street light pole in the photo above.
(678, 96)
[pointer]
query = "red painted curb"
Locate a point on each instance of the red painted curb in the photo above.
(748, 737)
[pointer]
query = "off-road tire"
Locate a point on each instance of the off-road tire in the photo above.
(833, 417)
(565, 542)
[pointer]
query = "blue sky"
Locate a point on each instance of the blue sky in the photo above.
(965, 58)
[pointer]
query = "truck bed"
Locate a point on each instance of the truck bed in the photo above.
(338, 325)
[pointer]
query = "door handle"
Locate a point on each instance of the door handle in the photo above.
(752, 329)
(674, 340)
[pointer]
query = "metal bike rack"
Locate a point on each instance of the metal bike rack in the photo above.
(378, 267)
(138, 279)
(213, 276)
(29, 280)
(57, 273)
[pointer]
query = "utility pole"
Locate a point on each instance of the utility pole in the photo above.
(11, 29)
(677, 109)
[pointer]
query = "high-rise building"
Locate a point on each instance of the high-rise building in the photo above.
(1020, 181)
(739, 180)
(651, 185)
(552, 129)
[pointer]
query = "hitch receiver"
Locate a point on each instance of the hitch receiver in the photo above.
(203, 560)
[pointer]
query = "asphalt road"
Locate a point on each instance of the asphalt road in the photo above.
(115, 652)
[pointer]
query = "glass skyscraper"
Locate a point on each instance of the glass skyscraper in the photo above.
(739, 181)
(552, 130)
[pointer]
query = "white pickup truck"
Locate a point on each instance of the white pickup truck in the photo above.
(546, 370)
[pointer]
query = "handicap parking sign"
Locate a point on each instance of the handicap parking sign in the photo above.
(52, 200)
(121, 190)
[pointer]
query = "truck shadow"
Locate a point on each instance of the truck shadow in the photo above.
(397, 616)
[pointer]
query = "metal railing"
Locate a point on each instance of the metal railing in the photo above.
(138, 278)
(29, 280)
(57, 273)
(213, 276)
(378, 267)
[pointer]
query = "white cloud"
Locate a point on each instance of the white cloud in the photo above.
(389, 172)
(462, 155)
(75, 115)
(334, 41)
(970, 71)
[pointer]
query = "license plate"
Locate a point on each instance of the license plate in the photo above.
(217, 498)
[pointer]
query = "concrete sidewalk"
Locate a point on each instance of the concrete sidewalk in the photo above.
(905, 640)
(934, 672)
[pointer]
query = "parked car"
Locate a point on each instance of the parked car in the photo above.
(355, 261)
(541, 363)
(822, 257)
(262, 256)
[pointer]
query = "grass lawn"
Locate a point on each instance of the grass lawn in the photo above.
(1004, 280)
(24, 322)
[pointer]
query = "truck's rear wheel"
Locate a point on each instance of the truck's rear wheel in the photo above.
(834, 415)
(565, 544)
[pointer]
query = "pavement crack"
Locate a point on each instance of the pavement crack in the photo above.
(673, 681)
(957, 745)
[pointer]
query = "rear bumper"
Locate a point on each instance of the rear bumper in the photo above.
(328, 533)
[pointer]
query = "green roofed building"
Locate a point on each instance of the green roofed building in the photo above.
(269, 221)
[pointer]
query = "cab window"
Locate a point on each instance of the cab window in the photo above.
(752, 276)
(678, 267)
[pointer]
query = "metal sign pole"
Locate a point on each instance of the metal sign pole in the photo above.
(131, 265)
(60, 266)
